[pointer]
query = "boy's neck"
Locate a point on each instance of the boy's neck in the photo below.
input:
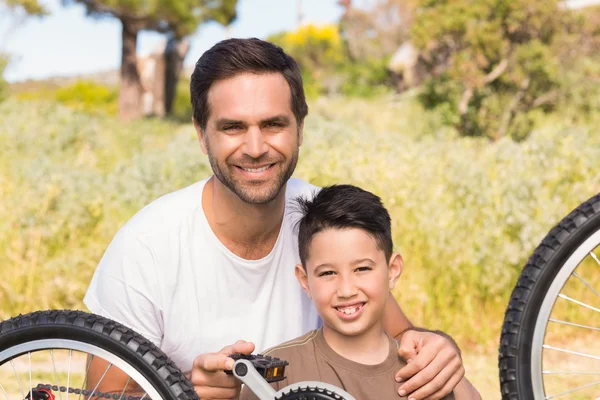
(369, 348)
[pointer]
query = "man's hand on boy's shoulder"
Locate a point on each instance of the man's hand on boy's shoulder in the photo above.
(434, 364)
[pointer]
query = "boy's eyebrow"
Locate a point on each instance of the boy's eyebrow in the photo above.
(321, 266)
(363, 260)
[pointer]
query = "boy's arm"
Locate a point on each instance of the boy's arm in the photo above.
(434, 366)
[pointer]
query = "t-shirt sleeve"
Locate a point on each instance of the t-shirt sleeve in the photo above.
(125, 287)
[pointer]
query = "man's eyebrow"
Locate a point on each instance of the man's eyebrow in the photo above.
(227, 121)
(282, 119)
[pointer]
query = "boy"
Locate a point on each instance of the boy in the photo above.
(348, 269)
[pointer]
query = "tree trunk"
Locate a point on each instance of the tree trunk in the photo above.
(130, 95)
(175, 52)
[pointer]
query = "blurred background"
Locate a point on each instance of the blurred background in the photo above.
(475, 121)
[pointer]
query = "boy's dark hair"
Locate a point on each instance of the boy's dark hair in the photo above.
(236, 56)
(343, 207)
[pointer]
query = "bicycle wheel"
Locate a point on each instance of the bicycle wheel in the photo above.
(49, 353)
(312, 391)
(549, 346)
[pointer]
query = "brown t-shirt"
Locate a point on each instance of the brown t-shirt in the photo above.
(311, 359)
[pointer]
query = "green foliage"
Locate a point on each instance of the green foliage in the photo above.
(86, 96)
(492, 62)
(31, 7)
(325, 65)
(179, 17)
(182, 105)
(466, 213)
(89, 96)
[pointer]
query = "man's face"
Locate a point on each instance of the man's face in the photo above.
(251, 137)
(348, 279)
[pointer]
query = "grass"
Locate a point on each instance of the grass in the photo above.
(466, 213)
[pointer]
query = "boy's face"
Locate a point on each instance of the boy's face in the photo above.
(348, 279)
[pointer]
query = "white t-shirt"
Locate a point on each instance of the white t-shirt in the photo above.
(167, 276)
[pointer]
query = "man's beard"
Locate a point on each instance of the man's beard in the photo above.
(261, 193)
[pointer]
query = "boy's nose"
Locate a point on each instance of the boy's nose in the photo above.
(347, 288)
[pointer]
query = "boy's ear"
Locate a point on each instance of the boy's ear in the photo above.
(395, 268)
(302, 278)
(201, 136)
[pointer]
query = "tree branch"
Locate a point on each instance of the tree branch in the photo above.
(509, 112)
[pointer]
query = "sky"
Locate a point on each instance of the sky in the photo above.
(68, 43)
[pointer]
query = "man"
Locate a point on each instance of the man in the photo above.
(213, 264)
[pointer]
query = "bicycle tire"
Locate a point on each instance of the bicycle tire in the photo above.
(517, 357)
(93, 330)
(312, 391)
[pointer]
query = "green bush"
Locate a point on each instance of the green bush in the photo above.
(89, 96)
(327, 68)
(466, 213)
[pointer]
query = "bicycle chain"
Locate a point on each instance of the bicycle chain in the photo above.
(86, 393)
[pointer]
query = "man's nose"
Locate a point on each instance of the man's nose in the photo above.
(255, 144)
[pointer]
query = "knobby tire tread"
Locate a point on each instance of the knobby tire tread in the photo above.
(527, 296)
(102, 332)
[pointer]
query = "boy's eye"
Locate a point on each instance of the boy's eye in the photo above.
(326, 273)
(362, 269)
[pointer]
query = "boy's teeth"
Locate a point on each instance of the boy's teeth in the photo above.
(348, 310)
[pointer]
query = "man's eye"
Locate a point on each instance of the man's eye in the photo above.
(231, 127)
(273, 125)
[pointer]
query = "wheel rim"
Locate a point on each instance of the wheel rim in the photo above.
(539, 344)
(38, 346)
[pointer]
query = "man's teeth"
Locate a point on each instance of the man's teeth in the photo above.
(256, 169)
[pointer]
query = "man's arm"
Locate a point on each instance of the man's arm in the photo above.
(434, 365)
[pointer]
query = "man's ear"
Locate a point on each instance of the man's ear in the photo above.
(302, 278)
(395, 268)
(201, 136)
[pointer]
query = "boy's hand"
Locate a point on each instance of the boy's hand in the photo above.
(208, 378)
(434, 366)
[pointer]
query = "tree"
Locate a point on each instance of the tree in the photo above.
(491, 62)
(177, 18)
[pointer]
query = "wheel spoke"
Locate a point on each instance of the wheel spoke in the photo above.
(87, 369)
(30, 383)
(594, 257)
(558, 321)
(585, 283)
(125, 388)
(18, 380)
(562, 296)
(69, 372)
(55, 374)
(100, 381)
(574, 390)
(571, 352)
(4, 391)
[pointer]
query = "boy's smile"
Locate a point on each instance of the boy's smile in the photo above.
(348, 279)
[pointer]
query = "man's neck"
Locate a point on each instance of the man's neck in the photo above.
(247, 230)
(369, 348)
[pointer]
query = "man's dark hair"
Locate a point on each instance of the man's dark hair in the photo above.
(344, 207)
(236, 56)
